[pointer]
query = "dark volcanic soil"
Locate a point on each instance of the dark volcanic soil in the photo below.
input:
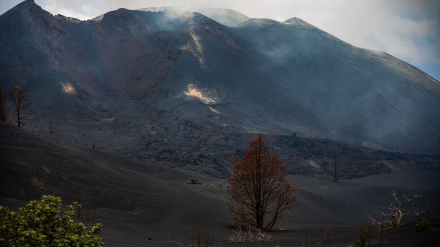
(137, 201)
(130, 105)
(182, 89)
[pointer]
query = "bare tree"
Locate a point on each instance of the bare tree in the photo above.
(52, 127)
(22, 106)
(260, 188)
(335, 163)
(308, 236)
(4, 110)
(200, 237)
(396, 212)
(363, 238)
(196, 237)
(329, 235)
(394, 217)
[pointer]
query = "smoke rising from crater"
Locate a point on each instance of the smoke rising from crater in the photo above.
(407, 29)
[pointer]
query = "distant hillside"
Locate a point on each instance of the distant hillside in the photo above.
(227, 17)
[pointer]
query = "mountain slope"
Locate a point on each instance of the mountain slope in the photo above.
(227, 17)
(137, 209)
(354, 92)
(170, 86)
(126, 202)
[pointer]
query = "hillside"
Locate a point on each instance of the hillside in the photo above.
(144, 204)
(177, 88)
(129, 202)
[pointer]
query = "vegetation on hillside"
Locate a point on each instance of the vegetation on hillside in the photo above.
(40, 224)
(194, 181)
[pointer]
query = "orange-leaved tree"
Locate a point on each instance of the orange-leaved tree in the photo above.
(260, 188)
(22, 106)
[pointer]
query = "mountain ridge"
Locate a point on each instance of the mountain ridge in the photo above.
(136, 76)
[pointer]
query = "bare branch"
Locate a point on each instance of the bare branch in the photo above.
(260, 187)
(395, 216)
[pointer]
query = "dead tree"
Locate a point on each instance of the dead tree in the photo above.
(52, 127)
(260, 188)
(22, 106)
(394, 217)
(329, 235)
(4, 110)
(200, 237)
(335, 163)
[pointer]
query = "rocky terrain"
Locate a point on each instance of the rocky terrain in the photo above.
(180, 89)
(132, 103)
(144, 204)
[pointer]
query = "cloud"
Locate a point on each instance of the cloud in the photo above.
(406, 29)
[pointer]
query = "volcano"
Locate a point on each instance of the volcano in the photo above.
(179, 88)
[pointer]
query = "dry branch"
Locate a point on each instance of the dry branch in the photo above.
(394, 216)
(260, 188)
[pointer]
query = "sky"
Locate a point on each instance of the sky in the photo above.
(406, 29)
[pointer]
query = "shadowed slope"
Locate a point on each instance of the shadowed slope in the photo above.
(135, 207)
(126, 202)
(363, 96)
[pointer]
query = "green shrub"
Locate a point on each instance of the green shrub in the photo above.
(39, 224)
(194, 181)
(426, 225)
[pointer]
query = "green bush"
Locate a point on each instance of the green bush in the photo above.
(426, 225)
(194, 181)
(40, 224)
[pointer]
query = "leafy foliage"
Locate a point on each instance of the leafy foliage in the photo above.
(39, 224)
(260, 187)
(194, 181)
(426, 225)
